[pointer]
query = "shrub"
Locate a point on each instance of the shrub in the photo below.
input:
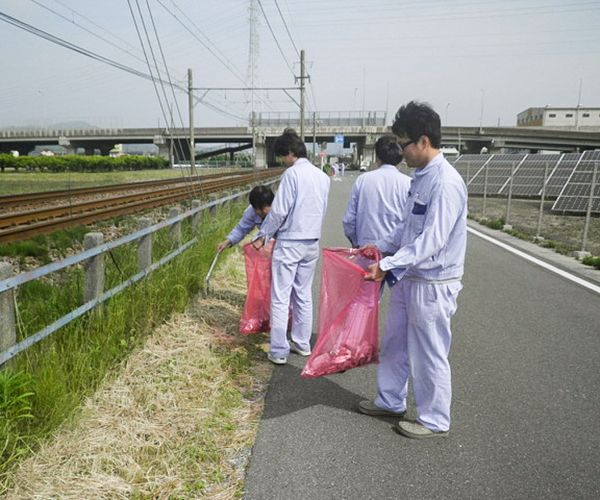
(592, 261)
(74, 163)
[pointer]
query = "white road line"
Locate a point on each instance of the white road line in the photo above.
(541, 263)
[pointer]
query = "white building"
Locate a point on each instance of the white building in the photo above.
(579, 118)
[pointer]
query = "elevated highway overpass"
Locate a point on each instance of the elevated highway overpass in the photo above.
(466, 139)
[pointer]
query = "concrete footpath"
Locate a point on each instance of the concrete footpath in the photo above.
(525, 406)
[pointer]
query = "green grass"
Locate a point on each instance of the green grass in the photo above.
(41, 247)
(592, 261)
(43, 386)
(558, 246)
(30, 182)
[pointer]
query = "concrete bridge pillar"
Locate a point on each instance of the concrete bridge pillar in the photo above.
(366, 150)
(261, 155)
(70, 149)
(164, 150)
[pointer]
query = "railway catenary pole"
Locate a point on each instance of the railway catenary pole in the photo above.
(314, 148)
(542, 199)
(302, 77)
(191, 112)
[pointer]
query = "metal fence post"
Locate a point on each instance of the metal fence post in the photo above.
(507, 226)
(468, 169)
(94, 268)
(213, 210)
(588, 213)
(196, 216)
(144, 245)
(175, 229)
(538, 236)
(485, 184)
(8, 329)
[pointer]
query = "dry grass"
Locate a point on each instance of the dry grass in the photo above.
(177, 421)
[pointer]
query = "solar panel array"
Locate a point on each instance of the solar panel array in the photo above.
(569, 177)
(469, 165)
(561, 174)
(575, 196)
(529, 177)
(498, 169)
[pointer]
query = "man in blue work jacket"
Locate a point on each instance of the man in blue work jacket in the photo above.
(378, 197)
(260, 198)
(295, 219)
(426, 273)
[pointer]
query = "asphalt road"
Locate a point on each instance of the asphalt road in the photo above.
(526, 383)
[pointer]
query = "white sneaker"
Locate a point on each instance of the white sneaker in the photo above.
(277, 361)
(294, 348)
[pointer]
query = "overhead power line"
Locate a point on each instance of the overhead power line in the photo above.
(100, 37)
(92, 55)
(275, 37)
(286, 28)
(71, 46)
(225, 63)
(91, 21)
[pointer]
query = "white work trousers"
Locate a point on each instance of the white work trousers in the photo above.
(417, 342)
(293, 269)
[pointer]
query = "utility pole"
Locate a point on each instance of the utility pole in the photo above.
(171, 145)
(191, 111)
(481, 114)
(302, 77)
(314, 136)
(578, 105)
(253, 49)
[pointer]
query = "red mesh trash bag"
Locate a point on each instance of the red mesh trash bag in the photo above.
(256, 317)
(349, 305)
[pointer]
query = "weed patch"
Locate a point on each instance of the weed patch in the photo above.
(592, 261)
(69, 366)
(178, 419)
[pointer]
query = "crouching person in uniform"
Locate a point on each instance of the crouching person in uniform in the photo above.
(428, 267)
(261, 198)
(295, 219)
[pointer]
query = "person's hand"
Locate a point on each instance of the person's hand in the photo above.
(258, 243)
(374, 273)
(370, 252)
(223, 245)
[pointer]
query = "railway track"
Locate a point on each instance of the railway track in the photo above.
(65, 194)
(21, 225)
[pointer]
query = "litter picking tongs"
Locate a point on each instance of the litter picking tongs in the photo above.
(209, 274)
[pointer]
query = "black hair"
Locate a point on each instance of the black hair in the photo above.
(261, 197)
(416, 119)
(388, 150)
(289, 142)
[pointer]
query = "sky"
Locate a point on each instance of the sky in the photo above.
(476, 62)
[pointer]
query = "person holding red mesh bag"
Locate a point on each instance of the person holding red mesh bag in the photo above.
(426, 273)
(255, 317)
(296, 219)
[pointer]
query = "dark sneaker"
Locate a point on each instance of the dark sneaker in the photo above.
(369, 408)
(295, 348)
(276, 360)
(415, 430)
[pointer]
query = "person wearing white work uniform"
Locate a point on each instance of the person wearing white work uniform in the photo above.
(295, 219)
(260, 198)
(428, 267)
(378, 198)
